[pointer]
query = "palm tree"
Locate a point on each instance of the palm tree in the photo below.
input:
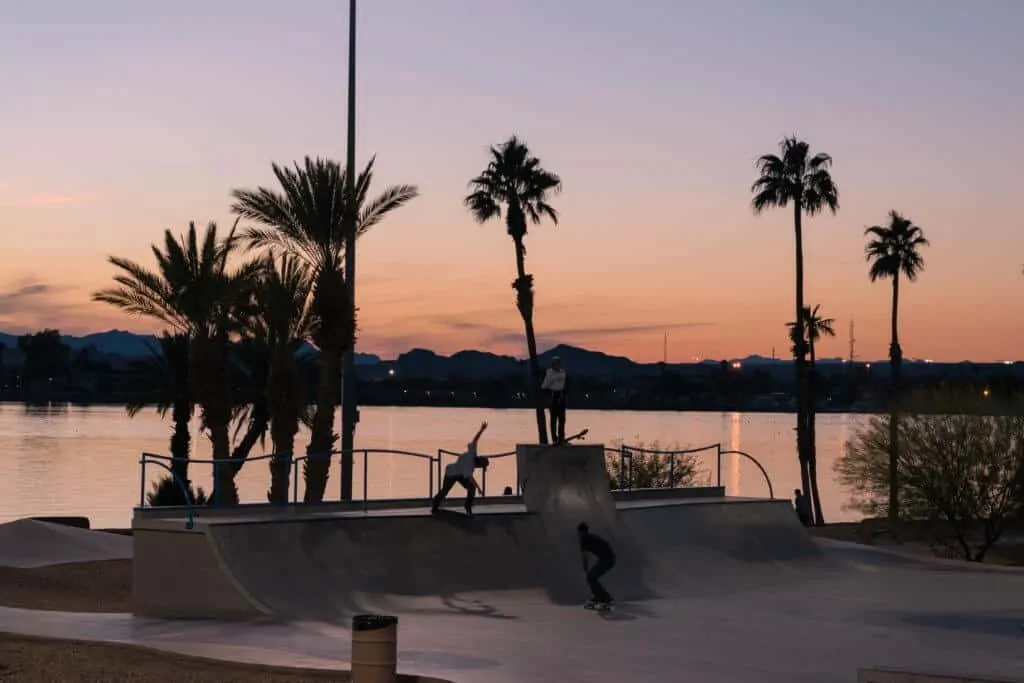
(282, 323)
(797, 177)
(196, 292)
(515, 179)
(892, 250)
(814, 328)
(306, 219)
(164, 375)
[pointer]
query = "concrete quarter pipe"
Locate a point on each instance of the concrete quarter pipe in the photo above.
(331, 566)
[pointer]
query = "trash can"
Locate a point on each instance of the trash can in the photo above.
(374, 648)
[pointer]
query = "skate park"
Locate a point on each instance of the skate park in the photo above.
(708, 588)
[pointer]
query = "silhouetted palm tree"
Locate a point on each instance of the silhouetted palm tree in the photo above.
(798, 178)
(164, 378)
(196, 292)
(283, 322)
(305, 218)
(515, 179)
(815, 327)
(892, 250)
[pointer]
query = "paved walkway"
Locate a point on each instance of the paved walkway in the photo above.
(868, 610)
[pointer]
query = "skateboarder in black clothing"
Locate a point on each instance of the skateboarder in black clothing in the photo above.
(598, 547)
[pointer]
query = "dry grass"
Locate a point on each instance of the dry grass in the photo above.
(37, 660)
(82, 587)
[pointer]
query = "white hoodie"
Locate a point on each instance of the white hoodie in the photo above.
(554, 380)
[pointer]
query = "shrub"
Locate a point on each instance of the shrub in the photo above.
(961, 466)
(167, 492)
(641, 470)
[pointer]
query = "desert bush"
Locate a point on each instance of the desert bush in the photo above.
(642, 470)
(961, 466)
(167, 492)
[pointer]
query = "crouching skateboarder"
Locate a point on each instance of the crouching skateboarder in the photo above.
(461, 472)
(592, 544)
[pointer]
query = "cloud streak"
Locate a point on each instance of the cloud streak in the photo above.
(43, 200)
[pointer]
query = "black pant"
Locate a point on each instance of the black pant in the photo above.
(557, 409)
(446, 487)
(600, 568)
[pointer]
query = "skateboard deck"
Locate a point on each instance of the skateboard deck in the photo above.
(603, 607)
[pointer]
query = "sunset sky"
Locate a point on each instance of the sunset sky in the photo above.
(122, 119)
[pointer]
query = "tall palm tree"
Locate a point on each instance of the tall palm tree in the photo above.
(164, 374)
(796, 177)
(283, 321)
(306, 218)
(197, 293)
(815, 327)
(515, 179)
(892, 250)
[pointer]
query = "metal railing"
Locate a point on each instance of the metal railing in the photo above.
(626, 454)
(434, 465)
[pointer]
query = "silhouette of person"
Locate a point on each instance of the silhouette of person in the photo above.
(461, 472)
(802, 504)
(554, 384)
(593, 544)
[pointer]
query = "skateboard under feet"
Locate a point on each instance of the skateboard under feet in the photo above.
(598, 606)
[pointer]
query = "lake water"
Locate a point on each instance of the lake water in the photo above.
(85, 460)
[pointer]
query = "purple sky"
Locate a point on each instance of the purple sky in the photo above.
(122, 119)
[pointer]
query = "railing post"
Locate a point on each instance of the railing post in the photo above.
(718, 450)
(430, 475)
(483, 483)
(671, 470)
(366, 479)
(295, 481)
(142, 482)
(622, 468)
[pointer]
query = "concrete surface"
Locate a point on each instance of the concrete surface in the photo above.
(862, 608)
(28, 543)
(899, 676)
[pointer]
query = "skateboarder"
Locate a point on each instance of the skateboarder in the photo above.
(554, 384)
(598, 547)
(461, 472)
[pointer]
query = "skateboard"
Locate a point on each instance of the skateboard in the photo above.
(602, 607)
(578, 436)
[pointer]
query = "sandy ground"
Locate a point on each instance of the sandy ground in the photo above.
(36, 660)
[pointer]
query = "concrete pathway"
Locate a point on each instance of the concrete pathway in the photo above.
(870, 608)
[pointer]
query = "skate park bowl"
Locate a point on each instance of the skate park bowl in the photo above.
(328, 565)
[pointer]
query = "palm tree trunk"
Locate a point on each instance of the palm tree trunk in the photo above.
(181, 439)
(895, 371)
(253, 433)
(524, 301)
(213, 388)
(812, 461)
(284, 425)
(800, 360)
(322, 437)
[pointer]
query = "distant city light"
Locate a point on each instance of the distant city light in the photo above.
(985, 393)
(736, 365)
(867, 366)
(391, 372)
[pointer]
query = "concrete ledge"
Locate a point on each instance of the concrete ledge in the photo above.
(177, 575)
(904, 676)
(687, 493)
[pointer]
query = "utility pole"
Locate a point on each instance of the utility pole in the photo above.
(349, 407)
(853, 341)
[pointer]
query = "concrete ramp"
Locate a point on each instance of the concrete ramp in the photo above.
(29, 543)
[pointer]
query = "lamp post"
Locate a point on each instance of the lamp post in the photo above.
(349, 409)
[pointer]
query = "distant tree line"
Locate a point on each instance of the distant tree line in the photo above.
(52, 372)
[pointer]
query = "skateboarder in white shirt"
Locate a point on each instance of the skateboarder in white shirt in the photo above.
(554, 384)
(461, 472)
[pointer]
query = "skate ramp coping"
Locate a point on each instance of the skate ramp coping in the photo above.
(30, 543)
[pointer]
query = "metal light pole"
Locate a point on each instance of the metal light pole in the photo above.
(349, 409)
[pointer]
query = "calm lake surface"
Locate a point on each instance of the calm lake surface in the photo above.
(85, 460)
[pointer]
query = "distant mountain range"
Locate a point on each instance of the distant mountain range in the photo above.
(118, 345)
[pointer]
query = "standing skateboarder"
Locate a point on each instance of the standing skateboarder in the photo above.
(554, 384)
(461, 472)
(598, 547)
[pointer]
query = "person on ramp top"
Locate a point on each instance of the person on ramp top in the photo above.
(461, 472)
(592, 544)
